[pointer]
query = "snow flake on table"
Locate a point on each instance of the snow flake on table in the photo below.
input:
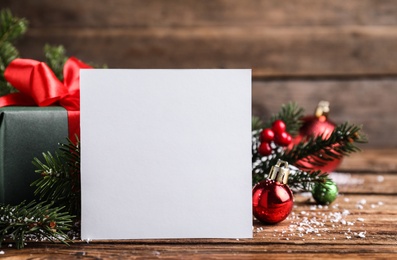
(321, 222)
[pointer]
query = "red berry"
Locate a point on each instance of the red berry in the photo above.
(283, 139)
(267, 135)
(265, 149)
(279, 127)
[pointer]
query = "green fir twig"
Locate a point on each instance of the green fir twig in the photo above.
(39, 220)
(303, 181)
(55, 59)
(11, 28)
(257, 123)
(315, 151)
(319, 151)
(60, 181)
(292, 115)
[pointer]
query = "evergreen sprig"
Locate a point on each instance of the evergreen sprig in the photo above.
(257, 123)
(318, 150)
(302, 181)
(314, 150)
(55, 59)
(11, 28)
(291, 114)
(60, 181)
(39, 220)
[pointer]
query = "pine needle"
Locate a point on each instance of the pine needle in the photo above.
(11, 28)
(60, 177)
(55, 59)
(316, 151)
(319, 151)
(41, 220)
(291, 114)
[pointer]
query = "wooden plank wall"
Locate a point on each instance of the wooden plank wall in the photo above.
(300, 50)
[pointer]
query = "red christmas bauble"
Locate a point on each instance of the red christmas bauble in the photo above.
(317, 125)
(272, 201)
(313, 125)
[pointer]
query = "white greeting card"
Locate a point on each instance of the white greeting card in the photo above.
(166, 153)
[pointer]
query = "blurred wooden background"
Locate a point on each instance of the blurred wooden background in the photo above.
(302, 50)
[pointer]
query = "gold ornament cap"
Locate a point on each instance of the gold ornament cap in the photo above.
(280, 173)
(322, 109)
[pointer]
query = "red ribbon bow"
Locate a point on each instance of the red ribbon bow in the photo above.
(38, 85)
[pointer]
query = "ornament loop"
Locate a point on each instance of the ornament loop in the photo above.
(280, 173)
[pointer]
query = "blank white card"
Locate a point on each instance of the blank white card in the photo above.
(166, 153)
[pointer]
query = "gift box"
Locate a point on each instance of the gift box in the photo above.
(25, 133)
(44, 112)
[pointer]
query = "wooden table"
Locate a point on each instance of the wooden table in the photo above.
(360, 223)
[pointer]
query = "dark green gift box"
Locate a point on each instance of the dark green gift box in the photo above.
(25, 133)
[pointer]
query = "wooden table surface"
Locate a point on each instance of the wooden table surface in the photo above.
(361, 223)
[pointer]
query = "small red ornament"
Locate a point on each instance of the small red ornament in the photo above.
(317, 125)
(265, 149)
(267, 135)
(272, 199)
(279, 126)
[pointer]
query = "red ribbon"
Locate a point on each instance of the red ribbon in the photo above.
(38, 86)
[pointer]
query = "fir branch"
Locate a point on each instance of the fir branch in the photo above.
(55, 59)
(319, 150)
(302, 181)
(11, 28)
(38, 219)
(71, 155)
(298, 181)
(291, 114)
(316, 151)
(261, 165)
(257, 123)
(55, 181)
(60, 181)
(7, 54)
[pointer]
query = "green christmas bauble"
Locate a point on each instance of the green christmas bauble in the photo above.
(325, 193)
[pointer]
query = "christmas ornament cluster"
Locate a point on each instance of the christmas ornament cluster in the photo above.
(277, 135)
(300, 150)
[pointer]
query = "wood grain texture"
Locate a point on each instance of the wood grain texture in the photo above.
(205, 251)
(367, 102)
(359, 232)
(359, 224)
(366, 183)
(270, 52)
(304, 51)
(377, 161)
(304, 38)
(191, 13)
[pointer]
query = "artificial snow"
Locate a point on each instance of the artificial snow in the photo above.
(322, 222)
